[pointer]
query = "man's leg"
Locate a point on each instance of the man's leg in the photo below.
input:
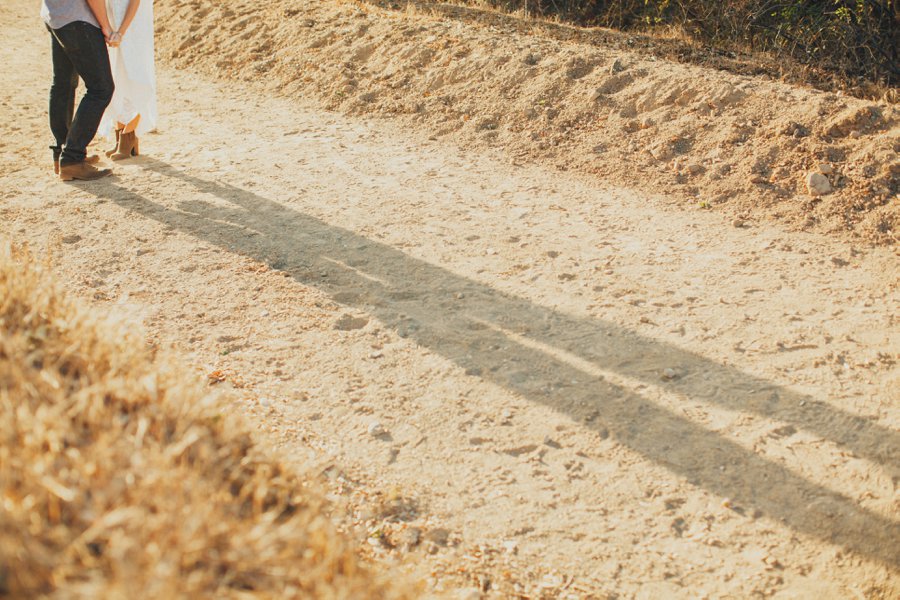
(62, 97)
(85, 47)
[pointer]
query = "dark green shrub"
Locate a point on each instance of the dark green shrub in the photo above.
(854, 39)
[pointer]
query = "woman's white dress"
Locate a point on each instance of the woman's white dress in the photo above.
(133, 70)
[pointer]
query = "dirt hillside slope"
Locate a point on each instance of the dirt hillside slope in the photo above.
(705, 138)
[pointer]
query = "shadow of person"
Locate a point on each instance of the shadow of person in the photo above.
(552, 358)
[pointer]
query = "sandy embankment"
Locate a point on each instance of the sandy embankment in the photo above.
(704, 138)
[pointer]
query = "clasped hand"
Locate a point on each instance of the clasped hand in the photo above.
(113, 39)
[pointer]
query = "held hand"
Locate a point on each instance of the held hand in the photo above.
(114, 39)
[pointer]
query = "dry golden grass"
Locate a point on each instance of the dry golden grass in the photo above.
(119, 478)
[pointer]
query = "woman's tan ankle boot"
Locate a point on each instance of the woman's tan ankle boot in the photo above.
(128, 146)
(116, 149)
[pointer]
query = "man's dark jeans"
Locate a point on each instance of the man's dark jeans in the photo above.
(79, 50)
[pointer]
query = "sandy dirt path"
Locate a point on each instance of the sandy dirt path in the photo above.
(554, 391)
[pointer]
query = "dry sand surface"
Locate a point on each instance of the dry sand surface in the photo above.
(519, 380)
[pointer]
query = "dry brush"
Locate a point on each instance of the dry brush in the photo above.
(120, 477)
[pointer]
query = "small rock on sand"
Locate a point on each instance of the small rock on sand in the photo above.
(694, 168)
(817, 184)
(349, 323)
(411, 537)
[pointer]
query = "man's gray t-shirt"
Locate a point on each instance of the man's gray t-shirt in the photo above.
(59, 13)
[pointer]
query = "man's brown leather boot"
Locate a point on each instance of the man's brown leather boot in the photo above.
(82, 171)
(93, 159)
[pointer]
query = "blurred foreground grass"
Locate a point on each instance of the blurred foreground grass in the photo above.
(121, 478)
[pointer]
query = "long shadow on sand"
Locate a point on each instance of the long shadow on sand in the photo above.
(551, 358)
